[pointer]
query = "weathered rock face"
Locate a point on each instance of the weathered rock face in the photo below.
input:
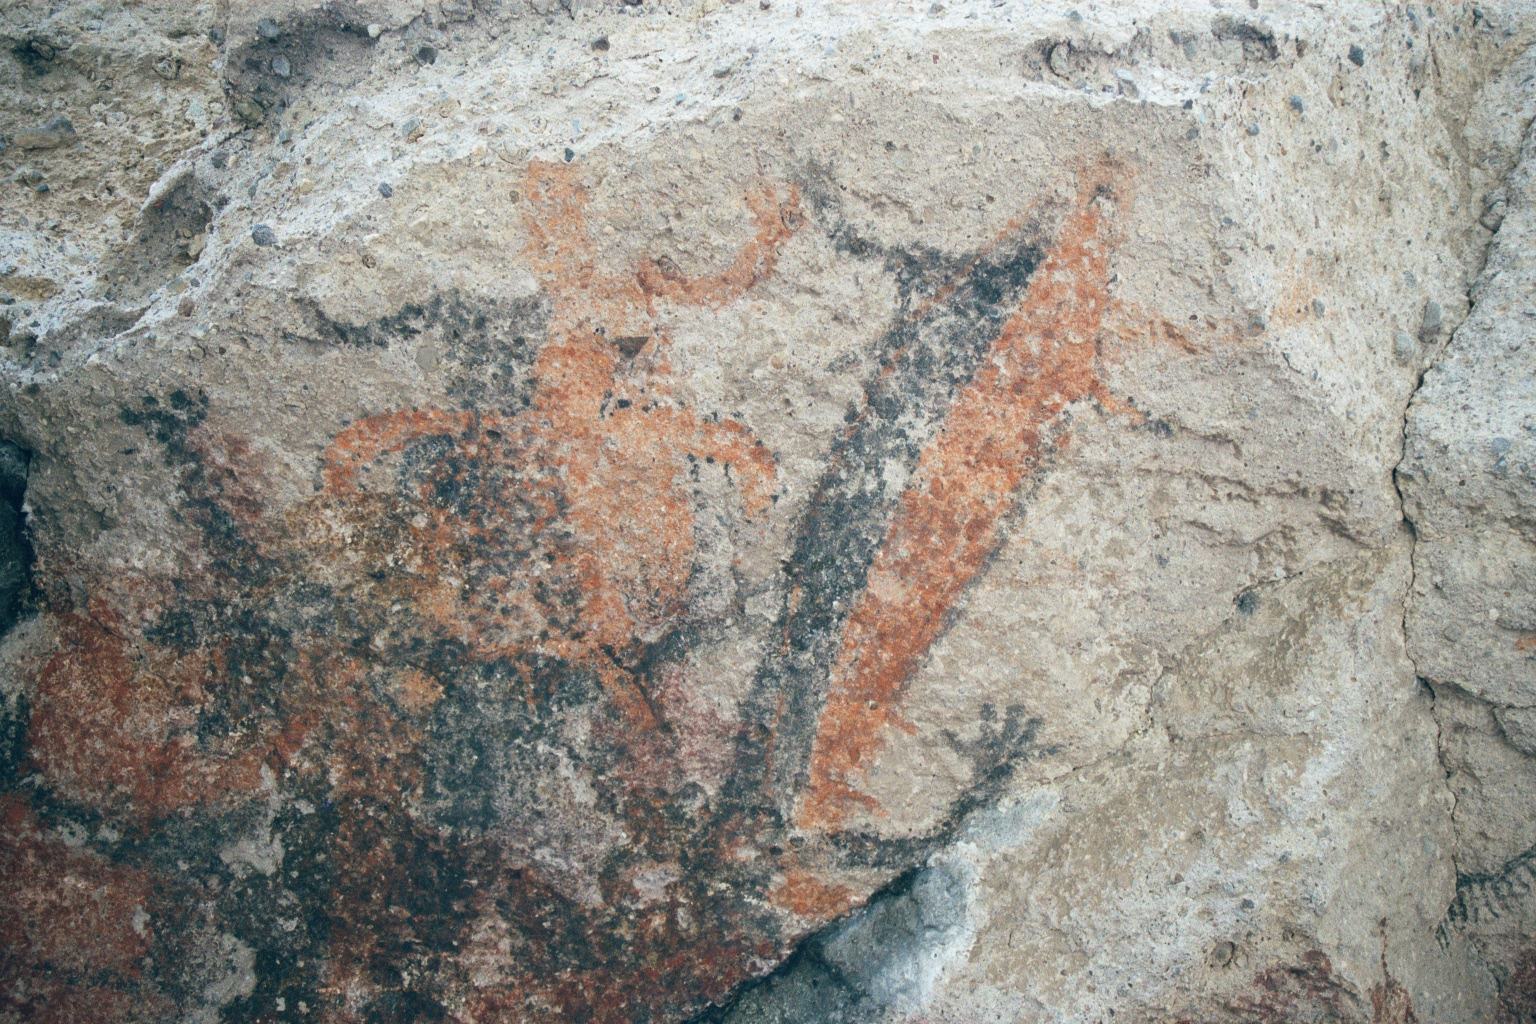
(1469, 483)
(761, 513)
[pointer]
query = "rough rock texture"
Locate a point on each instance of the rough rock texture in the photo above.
(757, 512)
(1468, 479)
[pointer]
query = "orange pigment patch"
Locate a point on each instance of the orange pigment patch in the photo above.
(67, 908)
(113, 723)
(753, 263)
(947, 522)
(561, 251)
(75, 930)
(805, 895)
(417, 691)
(366, 440)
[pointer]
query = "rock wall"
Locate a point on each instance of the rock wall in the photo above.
(1468, 480)
(767, 512)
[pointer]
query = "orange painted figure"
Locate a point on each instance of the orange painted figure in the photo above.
(564, 529)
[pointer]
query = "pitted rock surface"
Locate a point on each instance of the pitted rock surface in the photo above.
(628, 512)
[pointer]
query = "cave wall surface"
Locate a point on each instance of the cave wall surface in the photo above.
(767, 512)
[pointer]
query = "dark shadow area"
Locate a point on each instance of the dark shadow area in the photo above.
(16, 594)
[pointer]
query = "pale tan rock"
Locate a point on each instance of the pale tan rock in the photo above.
(1469, 479)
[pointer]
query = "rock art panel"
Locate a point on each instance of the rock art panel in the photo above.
(473, 589)
(522, 512)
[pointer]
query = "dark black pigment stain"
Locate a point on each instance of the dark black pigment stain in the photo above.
(1488, 895)
(1258, 43)
(486, 345)
(329, 42)
(35, 54)
(159, 249)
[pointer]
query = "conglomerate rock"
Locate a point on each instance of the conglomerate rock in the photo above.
(767, 512)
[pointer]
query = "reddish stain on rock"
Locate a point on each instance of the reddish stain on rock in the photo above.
(809, 896)
(1311, 990)
(1306, 990)
(74, 928)
(114, 721)
(1390, 1001)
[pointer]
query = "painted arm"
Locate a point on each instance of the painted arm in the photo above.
(775, 221)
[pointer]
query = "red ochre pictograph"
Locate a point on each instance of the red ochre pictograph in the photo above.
(587, 484)
(318, 647)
